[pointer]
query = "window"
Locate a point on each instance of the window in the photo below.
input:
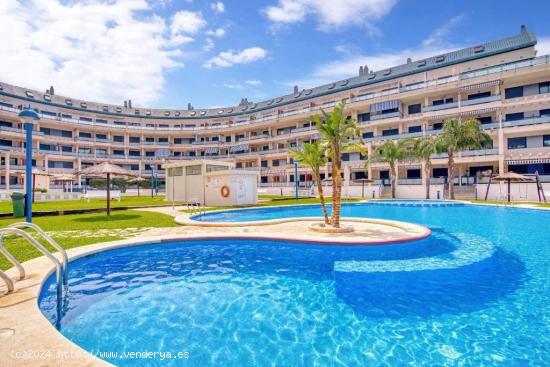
(176, 171)
(101, 136)
(390, 132)
(228, 139)
(439, 172)
(193, 170)
(275, 163)
(149, 139)
(118, 152)
(133, 153)
(149, 154)
(263, 164)
(485, 120)
(517, 143)
(438, 126)
(362, 117)
(118, 138)
(415, 129)
(545, 112)
(66, 149)
(413, 173)
(479, 95)
(345, 157)
(514, 116)
(415, 108)
(163, 140)
(544, 87)
(514, 92)
(177, 140)
(84, 135)
(368, 135)
(546, 140)
(134, 139)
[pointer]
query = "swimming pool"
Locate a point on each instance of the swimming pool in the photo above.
(475, 293)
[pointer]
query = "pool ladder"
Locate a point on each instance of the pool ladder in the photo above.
(60, 265)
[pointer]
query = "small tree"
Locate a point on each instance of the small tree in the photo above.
(313, 156)
(423, 149)
(457, 137)
(339, 134)
(391, 152)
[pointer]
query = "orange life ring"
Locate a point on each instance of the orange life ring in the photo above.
(225, 191)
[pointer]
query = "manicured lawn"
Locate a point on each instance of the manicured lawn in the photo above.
(544, 205)
(84, 229)
(276, 200)
(125, 201)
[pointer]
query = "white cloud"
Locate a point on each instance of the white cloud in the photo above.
(209, 45)
(543, 46)
(95, 50)
(438, 35)
(219, 32)
(232, 86)
(330, 14)
(187, 22)
(253, 82)
(229, 58)
(218, 7)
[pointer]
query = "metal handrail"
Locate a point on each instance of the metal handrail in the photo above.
(50, 256)
(51, 241)
(7, 280)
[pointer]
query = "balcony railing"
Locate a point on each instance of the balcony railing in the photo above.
(439, 107)
(470, 102)
(528, 121)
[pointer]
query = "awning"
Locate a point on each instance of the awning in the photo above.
(442, 117)
(387, 105)
(529, 161)
(239, 148)
(211, 150)
(481, 85)
(478, 112)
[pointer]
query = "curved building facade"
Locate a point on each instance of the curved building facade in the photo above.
(502, 83)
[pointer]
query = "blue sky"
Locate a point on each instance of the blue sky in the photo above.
(213, 53)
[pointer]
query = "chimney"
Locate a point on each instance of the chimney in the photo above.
(523, 29)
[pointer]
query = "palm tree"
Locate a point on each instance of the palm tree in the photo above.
(391, 152)
(339, 134)
(458, 136)
(423, 149)
(313, 156)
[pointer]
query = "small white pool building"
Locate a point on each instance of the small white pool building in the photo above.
(211, 183)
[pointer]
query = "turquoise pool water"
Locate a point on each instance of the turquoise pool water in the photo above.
(477, 292)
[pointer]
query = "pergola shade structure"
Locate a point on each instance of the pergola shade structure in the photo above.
(106, 169)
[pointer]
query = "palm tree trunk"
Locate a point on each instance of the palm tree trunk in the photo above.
(392, 179)
(427, 171)
(336, 188)
(321, 196)
(451, 174)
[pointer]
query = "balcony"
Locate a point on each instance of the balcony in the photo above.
(528, 121)
(471, 102)
(440, 107)
(385, 116)
(468, 153)
(409, 181)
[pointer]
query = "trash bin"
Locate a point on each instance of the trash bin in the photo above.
(18, 201)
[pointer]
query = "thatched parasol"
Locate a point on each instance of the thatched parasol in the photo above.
(106, 169)
(512, 177)
(137, 181)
